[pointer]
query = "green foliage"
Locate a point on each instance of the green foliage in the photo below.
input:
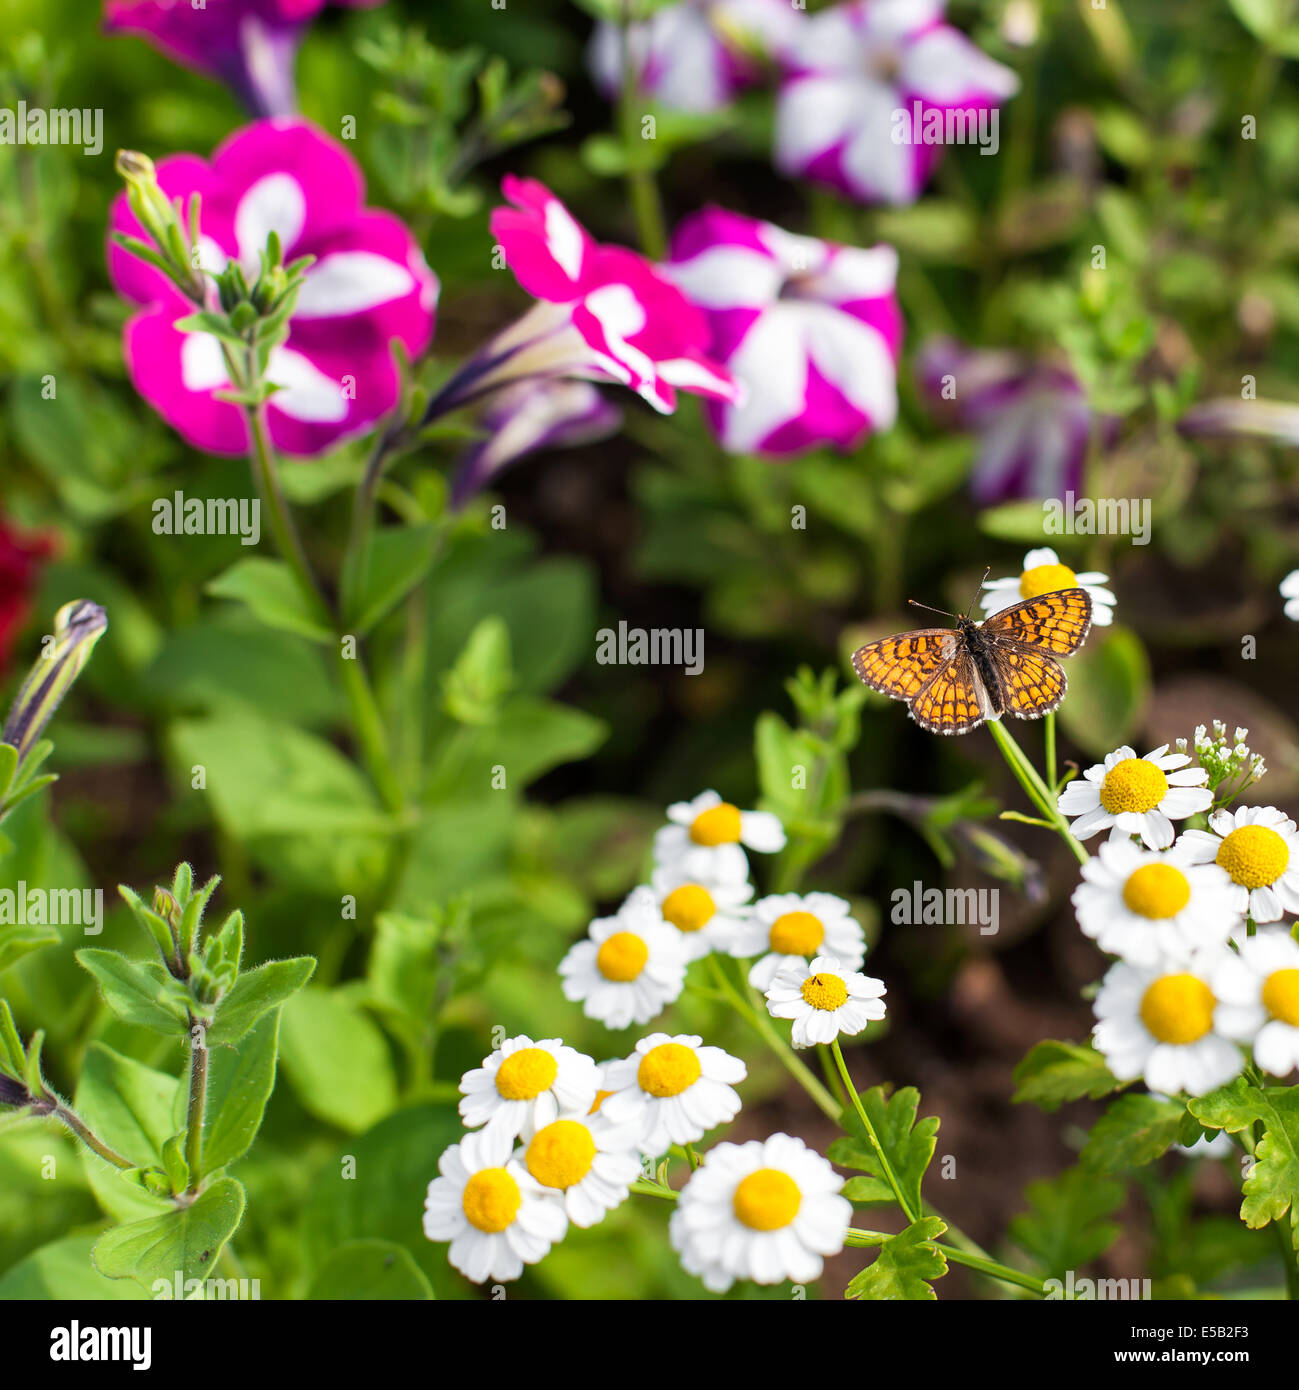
(1056, 1072)
(908, 1145)
(1067, 1224)
(906, 1265)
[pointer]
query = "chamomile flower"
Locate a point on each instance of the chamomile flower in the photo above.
(1140, 906)
(672, 1090)
(1290, 592)
(788, 929)
(1258, 846)
(524, 1085)
(496, 1215)
(706, 913)
(630, 967)
(1161, 1022)
(766, 1210)
(705, 838)
(1260, 993)
(1136, 796)
(591, 1163)
(824, 1000)
(1044, 574)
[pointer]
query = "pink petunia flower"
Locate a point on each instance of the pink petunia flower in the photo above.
(1032, 418)
(697, 55)
(860, 73)
(603, 314)
(248, 44)
(811, 329)
(369, 284)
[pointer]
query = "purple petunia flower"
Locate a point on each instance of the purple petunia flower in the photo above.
(1033, 419)
(369, 284)
(248, 44)
(811, 329)
(697, 55)
(860, 75)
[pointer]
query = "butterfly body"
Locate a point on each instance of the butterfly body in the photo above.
(953, 679)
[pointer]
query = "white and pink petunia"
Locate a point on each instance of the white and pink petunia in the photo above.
(369, 284)
(694, 56)
(604, 313)
(811, 329)
(852, 69)
(248, 44)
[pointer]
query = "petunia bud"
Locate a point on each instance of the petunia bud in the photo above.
(77, 627)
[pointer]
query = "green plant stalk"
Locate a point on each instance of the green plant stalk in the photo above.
(641, 186)
(69, 1117)
(198, 1060)
(1048, 735)
(889, 1176)
(1036, 790)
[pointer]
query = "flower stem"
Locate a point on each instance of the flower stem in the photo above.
(889, 1176)
(640, 180)
(198, 1059)
(69, 1117)
(1036, 790)
(763, 1027)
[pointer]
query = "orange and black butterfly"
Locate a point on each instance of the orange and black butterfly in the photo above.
(954, 678)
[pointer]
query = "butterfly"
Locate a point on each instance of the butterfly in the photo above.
(954, 678)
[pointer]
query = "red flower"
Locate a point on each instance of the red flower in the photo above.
(20, 562)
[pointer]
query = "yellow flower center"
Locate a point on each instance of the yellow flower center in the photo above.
(719, 825)
(1254, 856)
(690, 907)
(667, 1070)
(1133, 785)
(1178, 1008)
(824, 991)
(560, 1155)
(1046, 579)
(1281, 995)
(1156, 891)
(622, 957)
(767, 1200)
(600, 1098)
(796, 934)
(525, 1074)
(491, 1200)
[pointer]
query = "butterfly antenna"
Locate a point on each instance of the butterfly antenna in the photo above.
(942, 612)
(978, 591)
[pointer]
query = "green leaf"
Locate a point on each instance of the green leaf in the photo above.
(365, 1271)
(185, 1241)
(399, 558)
(270, 590)
(337, 1060)
(481, 675)
(241, 1078)
(905, 1266)
(142, 994)
(868, 1191)
(63, 1270)
(13, 1055)
(1109, 687)
(1135, 1130)
(907, 1145)
(256, 993)
(17, 940)
(1056, 1072)
(1232, 1107)
(1066, 1227)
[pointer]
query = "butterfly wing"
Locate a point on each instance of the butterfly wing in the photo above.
(955, 700)
(902, 666)
(1034, 684)
(1056, 623)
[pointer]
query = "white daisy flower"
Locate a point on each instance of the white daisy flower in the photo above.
(1161, 1023)
(706, 914)
(493, 1211)
(1290, 592)
(765, 1211)
(1136, 796)
(524, 1085)
(786, 929)
(1044, 574)
(1140, 906)
(629, 968)
(703, 842)
(586, 1159)
(824, 1000)
(1258, 846)
(672, 1090)
(1259, 989)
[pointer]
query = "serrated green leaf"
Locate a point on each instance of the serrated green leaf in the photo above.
(907, 1145)
(144, 995)
(1056, 1072)
(1135, 1130)
(257, 992)
(905, 1266)
(1066, 1227)
(1272, 1186)
(185, 1241)
(1232, 1107)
